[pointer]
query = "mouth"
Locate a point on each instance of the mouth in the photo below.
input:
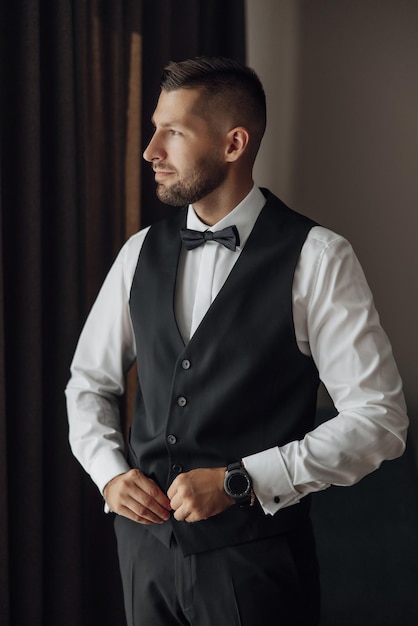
(162, 174)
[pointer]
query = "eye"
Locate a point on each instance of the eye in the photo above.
(174, 132)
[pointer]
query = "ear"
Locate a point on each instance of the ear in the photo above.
(237, 141)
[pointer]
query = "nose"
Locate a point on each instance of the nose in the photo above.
(154, 150)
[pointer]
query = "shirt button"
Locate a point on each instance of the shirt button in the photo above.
(181, 401)
(177, 469)
(276, 499)
(172, 439)
(185, 364)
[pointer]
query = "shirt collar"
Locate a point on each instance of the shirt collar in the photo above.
(244, 216)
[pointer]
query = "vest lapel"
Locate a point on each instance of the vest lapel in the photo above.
(168, 276)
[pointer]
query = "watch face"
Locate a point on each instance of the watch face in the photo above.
(238, 484)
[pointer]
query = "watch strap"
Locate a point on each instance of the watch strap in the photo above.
(249, 499)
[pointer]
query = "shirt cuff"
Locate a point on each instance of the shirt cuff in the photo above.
(107, 466)
(271, 481)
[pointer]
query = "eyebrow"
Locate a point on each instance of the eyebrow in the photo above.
(168, 124)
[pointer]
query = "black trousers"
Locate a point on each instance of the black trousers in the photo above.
(269, 581)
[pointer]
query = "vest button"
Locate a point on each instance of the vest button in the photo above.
(177, 469)
(185, 364)
(276, 499)
(181, 401)
(172, 439)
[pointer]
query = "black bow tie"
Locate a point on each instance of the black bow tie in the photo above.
(228, 237)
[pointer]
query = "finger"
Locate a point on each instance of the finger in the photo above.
(154, 498)
(150, 486)
(172, 490)
(135, 496)
(136, 510)
(130, 514)
(142, 514)
(182, 514)
(176, 502)
(145, 506)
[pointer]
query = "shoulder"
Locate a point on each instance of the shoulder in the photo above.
(322, 237)
(132, 247)
(327, 262)
(324, 243)
(326, 251)
(127, 258)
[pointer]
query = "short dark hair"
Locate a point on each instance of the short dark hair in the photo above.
(225, 82)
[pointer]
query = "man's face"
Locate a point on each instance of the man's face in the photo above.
(185, 151)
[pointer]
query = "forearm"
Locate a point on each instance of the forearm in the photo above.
(339, 452)
(95, 435)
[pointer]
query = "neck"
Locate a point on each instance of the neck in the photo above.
(220, 202)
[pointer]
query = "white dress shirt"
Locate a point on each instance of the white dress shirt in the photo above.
(335, 322)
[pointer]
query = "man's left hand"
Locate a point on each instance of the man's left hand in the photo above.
(199, 494)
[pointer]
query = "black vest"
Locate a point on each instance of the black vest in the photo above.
(240, 386)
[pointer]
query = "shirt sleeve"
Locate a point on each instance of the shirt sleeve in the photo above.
(105, 352)
(337, 324)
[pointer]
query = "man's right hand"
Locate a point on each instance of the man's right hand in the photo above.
(137, 497)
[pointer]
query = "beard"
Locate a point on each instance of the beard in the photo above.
(207, 175)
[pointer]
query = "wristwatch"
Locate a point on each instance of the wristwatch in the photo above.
(238, 484)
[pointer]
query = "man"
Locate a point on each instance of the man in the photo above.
(233, 308)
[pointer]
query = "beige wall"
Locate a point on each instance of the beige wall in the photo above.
(341, 79)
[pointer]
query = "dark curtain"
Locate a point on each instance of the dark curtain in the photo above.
(72, 75)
